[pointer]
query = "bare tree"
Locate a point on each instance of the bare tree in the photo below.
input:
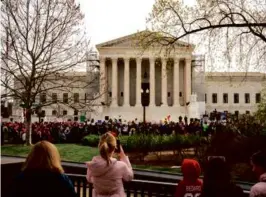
(42, 42)
(234, 30)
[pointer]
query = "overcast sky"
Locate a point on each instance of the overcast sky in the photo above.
(110, 19)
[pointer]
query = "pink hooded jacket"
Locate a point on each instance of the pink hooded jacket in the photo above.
(259, 189)
(108, 180)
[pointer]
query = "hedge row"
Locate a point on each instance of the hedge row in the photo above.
(147, 143)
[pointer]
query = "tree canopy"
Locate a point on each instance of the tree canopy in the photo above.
(42, 42)
(232, 29)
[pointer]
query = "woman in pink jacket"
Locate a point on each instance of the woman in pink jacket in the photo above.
(107, 173)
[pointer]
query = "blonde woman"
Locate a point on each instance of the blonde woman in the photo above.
(107, 173)
(42, 174)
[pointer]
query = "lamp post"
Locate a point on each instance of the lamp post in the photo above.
(145, 102)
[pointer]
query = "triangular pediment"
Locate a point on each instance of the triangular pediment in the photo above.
(136, 40)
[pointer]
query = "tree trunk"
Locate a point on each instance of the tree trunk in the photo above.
(28, 127)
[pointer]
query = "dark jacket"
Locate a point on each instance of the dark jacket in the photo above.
(42, 184)
(230, 190)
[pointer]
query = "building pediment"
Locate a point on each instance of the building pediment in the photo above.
(137, 40)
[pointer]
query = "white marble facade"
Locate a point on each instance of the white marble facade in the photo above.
(126, 70)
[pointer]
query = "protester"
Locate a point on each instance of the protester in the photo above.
(73, 131)
(107, 173)
(217, 180)
(258, 162)
(42, 174)
(190, 185)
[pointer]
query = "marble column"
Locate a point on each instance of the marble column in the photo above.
(164, 82)
(126, 82)
(103, 80)
(187, 81)
(114, 82)
(152, 81)
(138, 82)
(176, 82)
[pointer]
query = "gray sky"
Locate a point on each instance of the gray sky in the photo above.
(110, 19)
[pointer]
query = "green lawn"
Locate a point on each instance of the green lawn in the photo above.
(74, 153)
(68, 152)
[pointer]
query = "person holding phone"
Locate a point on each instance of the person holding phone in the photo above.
(107, 173)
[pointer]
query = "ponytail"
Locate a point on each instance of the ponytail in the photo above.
(104, 151)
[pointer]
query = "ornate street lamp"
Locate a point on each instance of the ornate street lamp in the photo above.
(145, 102)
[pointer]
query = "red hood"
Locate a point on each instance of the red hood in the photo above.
(190, 169)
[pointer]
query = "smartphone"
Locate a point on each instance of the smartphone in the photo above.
(117, 150)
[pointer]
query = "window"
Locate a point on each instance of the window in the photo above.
(168, 94)
(110, 94)
(76, 97)
(65, 97)
(214, 98)
(85, 97)
(258, 98)
(205, 98)
(247, 112)
(65, 112)
(43, 98)
(247, 98)
(225, 98)
(54, 97)
(236, 113)
(236, 98)
(122, 94)
(76, 112)
(54, 112)
(180, 94)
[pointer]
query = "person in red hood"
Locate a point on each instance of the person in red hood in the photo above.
(191, 185)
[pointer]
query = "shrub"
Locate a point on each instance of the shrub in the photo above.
(93, 140)
(90, 140)
(143, 143)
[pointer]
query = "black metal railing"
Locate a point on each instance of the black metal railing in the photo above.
(147, 183)
(136, 188)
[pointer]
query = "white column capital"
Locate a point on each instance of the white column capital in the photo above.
(126, 59)
(102, 58)
(177, 59)
(152, 58)
(138, 60)
(114, 59)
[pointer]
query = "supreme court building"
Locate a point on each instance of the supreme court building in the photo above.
(131, 78)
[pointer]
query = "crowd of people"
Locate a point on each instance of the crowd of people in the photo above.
(73, 132)
(107, 172)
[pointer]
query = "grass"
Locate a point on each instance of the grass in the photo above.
(68, 152)
(74, 153)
